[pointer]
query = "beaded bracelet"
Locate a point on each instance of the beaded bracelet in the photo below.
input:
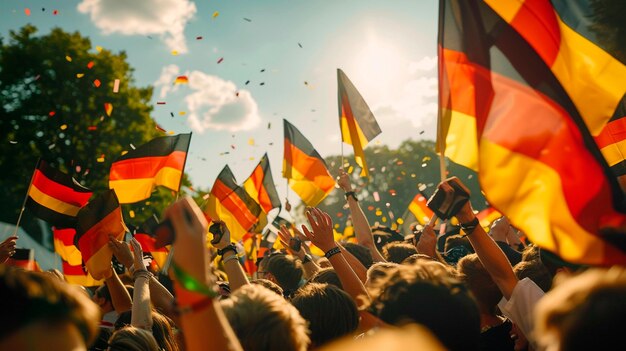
(190, 283)
(335, 250)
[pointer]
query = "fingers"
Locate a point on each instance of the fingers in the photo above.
(186, 217)
(307, 233)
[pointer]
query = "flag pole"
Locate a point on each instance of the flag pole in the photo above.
(440, 140)
(19, 218)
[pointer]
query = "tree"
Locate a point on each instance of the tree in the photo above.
(396, 176)
(53, 91)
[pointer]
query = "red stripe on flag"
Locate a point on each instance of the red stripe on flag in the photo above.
(98, 235)
(59, 191)
(538, 16)
(234, 204)
(146, 167)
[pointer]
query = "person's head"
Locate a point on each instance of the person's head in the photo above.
(383, 235)
(408, 337)
(458, 240)
(398, 251)
(472, 272)
(283, 270)
(264, 321)
(102, 297)
(426, 293)
(326, 276)
(330, 311)
(536, 271)
(33, 304)
(162, 329)
(585, 312)
(378, 271)
(132, 339)
(268, 284)
(361, 253)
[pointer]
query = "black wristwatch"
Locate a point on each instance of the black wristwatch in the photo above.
(352, 194)
(230, 247)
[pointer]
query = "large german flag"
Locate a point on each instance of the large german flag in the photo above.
(304, 168)
(78, 275)
(260, 186)
(231, 204)
(356, 120)
(487, 216)
(418, 208)
(100, 218)
(159, 162)
(506, 112)
(55, 197)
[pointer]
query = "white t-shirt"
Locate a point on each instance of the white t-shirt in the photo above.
(519, 309)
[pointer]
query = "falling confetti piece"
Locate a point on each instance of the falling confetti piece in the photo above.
(247, 82)
(262, 83)
(101, 158)
(92, 128)
(99, 48)
(426, 158)
(181, 80)
(424, 165)
(251, 159)
(51, 113)
(131, 213)
(174, 53)
(55, 12)
(220, 60)
(80, 75)
(379, 212)
(12, 142)
(86, 171)
(132, 146)
(300, 45)
(232, 147)
(198, 38)
(97, 83)
(68, 58)
(421, 132)
(247, 19)
(262, 70)
(160, 102)
(392, 192)
(63, 127)
(370, 208)
(182, 113)
(27, 11)
(51, 146)
(78, 169)
(172, 114)
(116, 86)
(251, 141)
(400, 221)
(90, 65)
(306, 83)
(269, 125)
(158, 127)
(108, 108)
(376, 196)
(171, 132)
(215, 14)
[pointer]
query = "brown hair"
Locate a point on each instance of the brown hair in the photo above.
(326, 276)
(398, 251)
(286, 270)
(536, 271)
(479, 281)
(269, 285)
(132, 339)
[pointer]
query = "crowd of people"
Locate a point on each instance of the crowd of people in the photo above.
(460, 289)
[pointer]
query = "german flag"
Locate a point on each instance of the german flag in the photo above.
(100, 218)
(356, 120)
(512, 115)
(304, 168)
(487, 216)
(78, 275)
(159, 162)
(231, 204)
(23, 258)
(55, 197)
(260, 186)
(418, 208)
(145, 234)
(64, 245)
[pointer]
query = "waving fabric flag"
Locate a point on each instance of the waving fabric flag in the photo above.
(161, 161)
(304, 168)
(145, 234)
(72, 260)
(231, 204)
(260, 186)
(55, 197)
(100, 218)
(25, 259)
(357, 123)
(509, 111)
(418, 208)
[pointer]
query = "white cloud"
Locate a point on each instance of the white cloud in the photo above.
(166, 18)
(213, 103)
(425, 64)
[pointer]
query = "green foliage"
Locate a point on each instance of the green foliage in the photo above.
(48, 110)
(396, 175)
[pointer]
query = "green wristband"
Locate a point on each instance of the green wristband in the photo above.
(190, 283)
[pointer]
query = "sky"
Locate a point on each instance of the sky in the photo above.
(281, 56)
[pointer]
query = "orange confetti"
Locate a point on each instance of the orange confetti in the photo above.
(215, 14)
(159, 128)
(27, 11)
(99, 48)
(108, 108)
(55, 12)
(64, 127)
(68, 58)
(92, 128)
(97, 83)
(90, 64)
(100, 159)
(181, 80)
(131, 213)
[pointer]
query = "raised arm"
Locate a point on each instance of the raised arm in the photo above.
(7, 248)
(362, 228)
(142, 313)
(236, 276)
(120, 298)
(296, 247)
(202, 320)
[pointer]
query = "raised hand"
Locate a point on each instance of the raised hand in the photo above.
(322, 229)
(427, 242)
(289, 243)
(7, 248)
(121, 251)
(225, 239)
(344, 180)
(138, 254)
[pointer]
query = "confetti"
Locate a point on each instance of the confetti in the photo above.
(51, 146)
(55, 12)
(159, 128)
(160, 102)
(90, 65)
(68, 58)
(100, 159)
(51, 113)
(237, 94)
(182, 113)
(350, 170)
(99, 48)
(247, 19)
(262, 70)
(379, 212)
(220, 60)
(251, 141)
(97, 83)
(108, 108)
(181, 80)
(12, 142)
(370, 208)
(306, 83)
(269, 125)
(132, 146)
(198, 38)
(78, 169)
(376, 196)
(172, 114)
(80, 75)
(215, 14)
(92, 128)
(174, 53)
(232, 147)
(300, 45)
(63, 127)
(116, 86)
(131, 213)
(400, 221)
(27, 11)
(421, 132)
(171, 132)
(262, 83)
(247, 82)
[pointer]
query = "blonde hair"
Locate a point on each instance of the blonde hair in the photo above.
(132, 339)
(264, 321)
